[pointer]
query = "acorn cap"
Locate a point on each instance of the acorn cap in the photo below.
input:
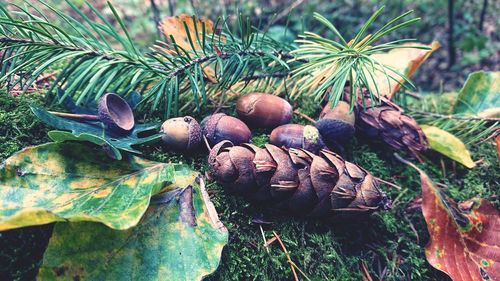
(334, 131)
(336, 124)
(116, 113)
(312, 139)
(181, 133)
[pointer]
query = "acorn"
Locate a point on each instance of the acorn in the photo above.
(115, 113)
(181, 133)
(297, 136)
(336, 125)
(261, 110)
(218, 127)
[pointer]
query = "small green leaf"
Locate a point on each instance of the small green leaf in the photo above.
(75, 182)
(448, 145)
(180, 239)
(95, 132)
(481, 93)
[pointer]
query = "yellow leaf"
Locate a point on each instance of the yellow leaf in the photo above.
(448, 145)
(403, 60)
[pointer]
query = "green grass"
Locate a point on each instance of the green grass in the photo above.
(324, 249)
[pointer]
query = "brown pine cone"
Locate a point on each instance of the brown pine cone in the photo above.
(296, 179)
(389, 123)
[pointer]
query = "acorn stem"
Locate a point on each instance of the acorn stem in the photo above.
(75, 116)
(206, 143)
(296, 111)
(389, 183)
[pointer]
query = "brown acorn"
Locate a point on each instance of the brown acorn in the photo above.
(115, 113)
(181, 133)
(219, 127)
(261, 110)
(297, 136)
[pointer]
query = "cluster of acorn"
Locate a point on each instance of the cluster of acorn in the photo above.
(260, 110)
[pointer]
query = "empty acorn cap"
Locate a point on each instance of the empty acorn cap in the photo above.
(181, 133)
(115, 113)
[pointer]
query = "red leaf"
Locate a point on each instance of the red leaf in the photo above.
(465, 238)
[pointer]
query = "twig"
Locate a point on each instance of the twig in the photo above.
(287, 256)
(76, 116)
(206, 143)
(156, 17)
(263, 76)
(285, 12)
(366, 274)
(389, 183)
(412, 228)
(414, 95)
(296, 111)
(472, 118)
(45, 77)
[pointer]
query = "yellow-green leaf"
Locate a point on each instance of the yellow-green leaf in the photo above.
(448, 145)
(76, 182)
(480, 95)
(180, 239)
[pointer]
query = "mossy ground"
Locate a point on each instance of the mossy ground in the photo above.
(390, 244)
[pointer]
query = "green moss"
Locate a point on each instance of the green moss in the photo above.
(322, 249)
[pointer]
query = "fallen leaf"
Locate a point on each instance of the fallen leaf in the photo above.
(464, 238)
(480, 95)
(95, 132)
(176, 27)
(180, 239)
(74, 182)
(448, 145)
(404, 60)
(187, 31)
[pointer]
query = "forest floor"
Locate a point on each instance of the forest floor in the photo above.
(389, 244)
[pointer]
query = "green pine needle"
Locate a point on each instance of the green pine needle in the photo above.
(99, 57)
(331, 64)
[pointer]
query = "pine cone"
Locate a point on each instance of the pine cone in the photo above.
(389, 123)
(296, 179)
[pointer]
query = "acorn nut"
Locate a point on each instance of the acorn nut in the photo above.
(297, 136)
(181, 133)
(219, 127)
(336, 125)
(115, 113)
(264, 110)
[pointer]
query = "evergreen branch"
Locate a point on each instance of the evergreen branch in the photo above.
(164, 76)
(455, 117)
(331, 64)
(470, 129)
